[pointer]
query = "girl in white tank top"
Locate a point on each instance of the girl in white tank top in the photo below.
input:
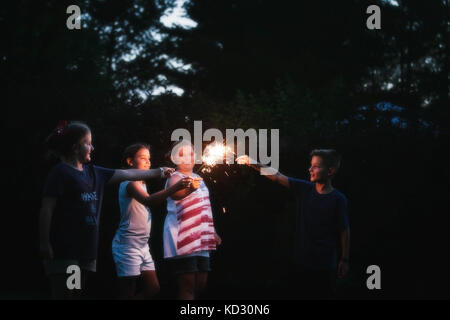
(130, 247)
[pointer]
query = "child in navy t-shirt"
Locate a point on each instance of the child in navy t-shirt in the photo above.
(74, 231)
(321, 220)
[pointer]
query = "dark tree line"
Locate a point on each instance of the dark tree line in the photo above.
(311, 69)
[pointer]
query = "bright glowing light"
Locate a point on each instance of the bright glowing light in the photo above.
(215, 153)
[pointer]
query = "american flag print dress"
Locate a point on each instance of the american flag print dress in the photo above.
(189, 225)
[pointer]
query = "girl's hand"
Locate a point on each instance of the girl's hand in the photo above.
(342, 269)
(218, 239)
(243, 160)
(183, 183)
(166, 172)
(46, 251)
(196, 183)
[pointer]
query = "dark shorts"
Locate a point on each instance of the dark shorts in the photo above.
(59, 266)
(189, 264)
(314, 284)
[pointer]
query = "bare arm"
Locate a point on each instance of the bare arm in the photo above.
(135, 191)
(45, 219)
(136, 174)
(343, 265)
(277, 177)
(217, 238)
(345, 244)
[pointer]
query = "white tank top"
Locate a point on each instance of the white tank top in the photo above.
(135, 219)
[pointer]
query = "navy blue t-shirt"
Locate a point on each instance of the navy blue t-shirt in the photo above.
(320, 219)
(75, 221)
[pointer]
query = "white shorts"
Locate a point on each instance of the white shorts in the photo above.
(131, 260)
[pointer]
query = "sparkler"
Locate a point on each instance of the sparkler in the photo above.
(215, 153)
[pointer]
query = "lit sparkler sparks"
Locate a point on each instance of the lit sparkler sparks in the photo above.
(215, 153)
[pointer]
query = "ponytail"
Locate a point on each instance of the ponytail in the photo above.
(61, 141)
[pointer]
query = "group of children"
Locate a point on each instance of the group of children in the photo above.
(70, 212)
(72, 199)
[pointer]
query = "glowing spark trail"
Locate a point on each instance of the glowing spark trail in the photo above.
(215, 153)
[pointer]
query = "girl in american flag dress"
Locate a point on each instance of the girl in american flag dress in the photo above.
(189, 233)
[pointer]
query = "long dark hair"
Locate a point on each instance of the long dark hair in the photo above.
(61, 141)
(131, 151)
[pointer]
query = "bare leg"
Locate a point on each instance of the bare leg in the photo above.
(126, 288)
(59, 287)
(186, 286)
(58, 283)
(200, 283)
(150, 284)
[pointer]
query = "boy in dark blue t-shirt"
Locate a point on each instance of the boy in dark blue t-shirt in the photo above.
(321, 219)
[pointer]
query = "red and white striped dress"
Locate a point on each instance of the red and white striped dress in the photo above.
(189, 226)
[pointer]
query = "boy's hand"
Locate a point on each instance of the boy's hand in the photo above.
(183, 183)
(196, 183)
(243, 160)
(166, 172)
(46, 251)
(342, 269)
(218, 239)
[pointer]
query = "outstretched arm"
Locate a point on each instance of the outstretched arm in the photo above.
(135, 191)
(277, 177)
(136, 174)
